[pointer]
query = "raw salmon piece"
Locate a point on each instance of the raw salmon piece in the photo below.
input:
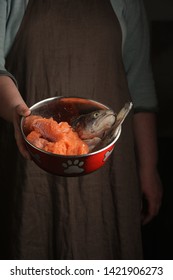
(28, 123)
(67, 146)
(74, 145)
(35, 138)
(50, 129)
(58, 147)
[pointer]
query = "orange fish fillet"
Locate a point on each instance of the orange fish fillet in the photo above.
(54, 137)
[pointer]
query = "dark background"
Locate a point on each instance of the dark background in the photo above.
(158, 235)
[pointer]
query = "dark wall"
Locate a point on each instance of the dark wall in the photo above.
(157, 236)
(159, 9)
(160, 15)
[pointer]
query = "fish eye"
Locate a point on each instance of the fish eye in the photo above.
(96, 114)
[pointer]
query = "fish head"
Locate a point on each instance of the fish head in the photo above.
(94, 124)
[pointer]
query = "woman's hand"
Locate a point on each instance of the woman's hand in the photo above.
(12, 108)
(151, 187)
(20, 110)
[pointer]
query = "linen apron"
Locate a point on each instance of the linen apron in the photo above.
(72, 48)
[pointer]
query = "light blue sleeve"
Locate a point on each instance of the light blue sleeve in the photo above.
(3, 16)
(11, 14)
(136, 56)
(3, 20)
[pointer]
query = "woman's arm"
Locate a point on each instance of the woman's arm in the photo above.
(141, 85)
(147, 157)
(12, 106)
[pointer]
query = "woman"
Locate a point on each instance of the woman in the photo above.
(96, 49)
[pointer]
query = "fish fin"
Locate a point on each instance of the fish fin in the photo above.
(92, 143)
(123, 113)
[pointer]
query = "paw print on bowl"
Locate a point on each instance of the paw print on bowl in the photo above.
(107, 154)
(71, 167)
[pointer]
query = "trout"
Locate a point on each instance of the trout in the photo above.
(99, 128)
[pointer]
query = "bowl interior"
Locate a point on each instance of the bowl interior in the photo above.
(65, 108)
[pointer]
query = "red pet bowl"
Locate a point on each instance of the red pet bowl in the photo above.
(63, 109)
